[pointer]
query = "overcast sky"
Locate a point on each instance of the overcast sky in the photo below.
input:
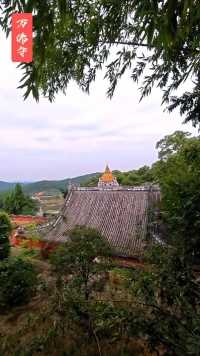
(77, 134)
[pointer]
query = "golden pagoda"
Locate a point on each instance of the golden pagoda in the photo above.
(107, 179)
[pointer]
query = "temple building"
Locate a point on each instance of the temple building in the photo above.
(123, 215)
(107, 179)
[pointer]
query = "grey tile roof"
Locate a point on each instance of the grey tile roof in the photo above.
(120, 214)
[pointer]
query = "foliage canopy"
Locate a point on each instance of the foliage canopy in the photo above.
(5, 230)
(16, 202)
(17, 282)
(169, 294)
(134, 177)
(78, 258)
(178, 173)
(73, 40)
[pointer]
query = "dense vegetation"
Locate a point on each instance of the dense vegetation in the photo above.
(143, 175)
(51, 186)
(5, 230)
(16, 202)
(76, 259)
(171, 286)
(73, 40)
(178, 173)
(54, 185)
(17, 282)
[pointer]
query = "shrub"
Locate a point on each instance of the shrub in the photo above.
(18, 281)
(84, 260)
(5, 230)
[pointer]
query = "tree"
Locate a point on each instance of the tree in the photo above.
(16, 202)
(167, 295)
(81, 265)
(1, 200)
(18, 281)
(130, 178)
(91, 182)
(5, 230)
(77, 258)
(155, 40)
(178, 173)
(171, 144)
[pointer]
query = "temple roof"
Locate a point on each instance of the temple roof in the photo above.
(120, 215)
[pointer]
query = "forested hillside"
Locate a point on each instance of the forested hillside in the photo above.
(46, 185)
(5, 186)
(134, 177)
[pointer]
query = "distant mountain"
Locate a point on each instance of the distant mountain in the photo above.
(5, 186)
(47, 185)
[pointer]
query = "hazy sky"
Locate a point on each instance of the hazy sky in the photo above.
(78, 133)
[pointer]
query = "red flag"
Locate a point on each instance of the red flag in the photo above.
(22, 37)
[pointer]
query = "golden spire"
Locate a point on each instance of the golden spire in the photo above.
(107, 170)
(107, 176)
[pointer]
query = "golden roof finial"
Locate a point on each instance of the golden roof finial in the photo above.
(107, 176)
(107, 170)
